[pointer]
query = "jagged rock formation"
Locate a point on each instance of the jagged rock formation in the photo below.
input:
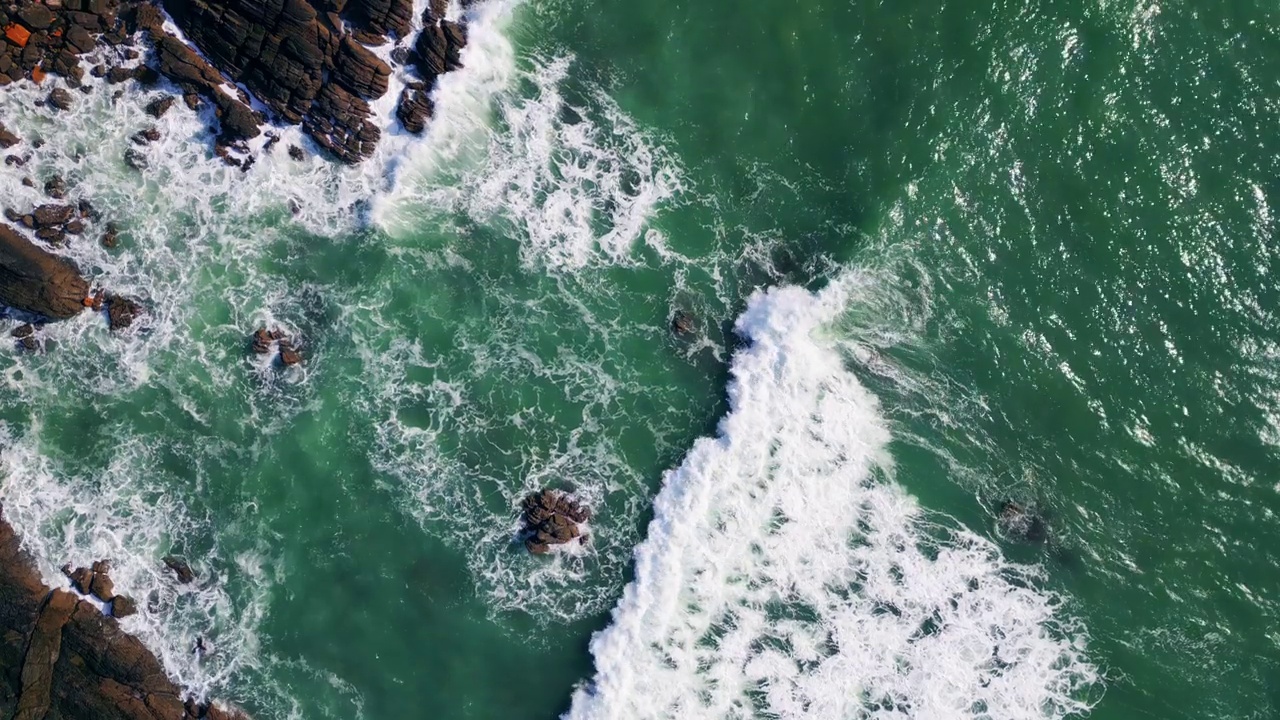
(307, 61)
(437, 51)
(62, 658)
(265, 341)
(37, 281)
(552, 518)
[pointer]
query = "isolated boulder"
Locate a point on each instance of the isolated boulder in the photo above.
(552, 518)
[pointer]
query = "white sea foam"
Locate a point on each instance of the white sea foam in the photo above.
(786, 576)
(578, 182)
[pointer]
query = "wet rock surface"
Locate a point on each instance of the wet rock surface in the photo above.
(122, 311)
(265, 342)
(180, 568)
(62, 658)
(552, 517)
(307, 61)
(36, 281)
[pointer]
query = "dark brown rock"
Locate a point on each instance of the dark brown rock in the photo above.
(36, 281)
(551, 518)
(360, 71)
(298, 59)
(122, 312)
(23, 330)
(180, 568)
(110, 237)
(82, 580)
(136, 160)
(60, 99)
(52, 235)
(55, 187)
(123, 606)
(143, 137)
(49, 215)
(146, 75)
(117, 75)
(7, 139)
(262, 340)
(102, 586)
(158, 107)
(415, 109)
(36, 17)
(62, 658)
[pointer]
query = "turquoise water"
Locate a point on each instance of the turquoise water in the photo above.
(939, 255)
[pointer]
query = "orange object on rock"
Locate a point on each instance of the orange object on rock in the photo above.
(17, 34)
(88, 302)
(37, 74)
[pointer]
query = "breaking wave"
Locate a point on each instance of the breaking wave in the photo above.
(786, 575)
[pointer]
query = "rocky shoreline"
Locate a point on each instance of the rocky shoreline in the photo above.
(254, 63)
(61, 657)
(305, 62)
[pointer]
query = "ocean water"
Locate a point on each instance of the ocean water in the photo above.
(939, 256)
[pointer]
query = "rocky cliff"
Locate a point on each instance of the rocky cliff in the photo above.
(62, 658)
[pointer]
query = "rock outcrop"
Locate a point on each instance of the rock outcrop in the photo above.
(307, 61)
(437, 51)
(62, 658)
(121, 311)
(552, 518)
(266, 341)
(36, 281)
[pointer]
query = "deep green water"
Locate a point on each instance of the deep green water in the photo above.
(1050, 224)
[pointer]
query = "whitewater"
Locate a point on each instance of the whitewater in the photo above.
(786, 575)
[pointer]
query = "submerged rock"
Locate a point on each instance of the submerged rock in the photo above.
(1023, 522)
(110, 236)
(264, 341)
(50, 215)
(181, 569)
(143, 137)
(56, 187)
(681, 323)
